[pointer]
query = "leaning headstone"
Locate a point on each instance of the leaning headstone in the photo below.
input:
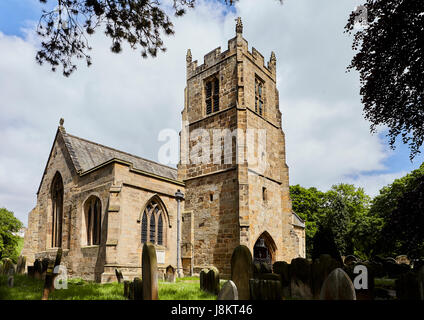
(149, 272)
(282, 268)
(20, 266)
(119, 275)
(212, 280)
(228, 291)
(241, 270)
(138, 289)
(170, 274)
(338, 286)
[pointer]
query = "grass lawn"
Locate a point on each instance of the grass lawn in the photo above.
(31, 289)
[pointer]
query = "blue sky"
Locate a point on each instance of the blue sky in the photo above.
(328, 141)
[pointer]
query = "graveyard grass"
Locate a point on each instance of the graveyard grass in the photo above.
(31, 289)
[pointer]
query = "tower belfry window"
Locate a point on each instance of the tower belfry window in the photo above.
(259, 96)
(212, 95)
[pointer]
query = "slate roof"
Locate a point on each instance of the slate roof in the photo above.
(87, 155)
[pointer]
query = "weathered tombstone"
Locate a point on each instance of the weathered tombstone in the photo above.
(241, 270)
(44, 266)
(212, 280)
(30, 271)
(119, 275)
(320, 269)
(131, 292)
(282, 268)
(138, 289)
(37, 269)
(7, 265)
(228, 291)
(48, 281)
(149, 272)
(170, 274)
(20, 266)
(300, 278)
(263, 289)
(10, 278)
(56, 263)
(338, 286)
(127, 289)
(203, 279)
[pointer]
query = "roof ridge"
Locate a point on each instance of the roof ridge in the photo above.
(127, 153)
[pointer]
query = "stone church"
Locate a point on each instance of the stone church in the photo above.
(100, 204)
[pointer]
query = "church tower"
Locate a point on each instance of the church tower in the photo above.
(233, 161)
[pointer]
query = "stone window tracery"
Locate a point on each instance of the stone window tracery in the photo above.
(212, 95)
(57, 210)
(153, 223)
(93, 217)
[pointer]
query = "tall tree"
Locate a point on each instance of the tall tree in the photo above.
(9, 225)
(400, 207)
(390, 61)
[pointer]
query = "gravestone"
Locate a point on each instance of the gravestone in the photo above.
(282, 268)
(10, 278)
(203, 274)
(119, 275)
(170, 274)
(300, 278)
(138, 289)
(228, 291)
(212, 280)
(127, 289)
(7, 265)
(320, 269)
(20, 266)
(37, 269)
(265, 289)
(149, 272)
(338, 286)
(48, 280)
(30, 271)
(131, 292)
(44, 266)
(56, 263)
(241, 270)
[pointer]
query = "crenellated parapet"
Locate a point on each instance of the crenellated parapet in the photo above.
(237, 45)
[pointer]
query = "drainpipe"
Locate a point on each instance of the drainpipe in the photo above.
(179, 196)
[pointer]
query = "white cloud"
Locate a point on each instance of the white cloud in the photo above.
(124, 101)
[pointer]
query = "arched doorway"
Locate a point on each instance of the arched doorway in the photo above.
(264, 249)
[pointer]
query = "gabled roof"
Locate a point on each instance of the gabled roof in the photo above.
(87, 156)
(298, 221)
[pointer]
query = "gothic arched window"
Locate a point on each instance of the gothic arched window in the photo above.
(160, 230)
(57, 210)
(93, 219)
(152, 228)
(153, 222)
(144, 228)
